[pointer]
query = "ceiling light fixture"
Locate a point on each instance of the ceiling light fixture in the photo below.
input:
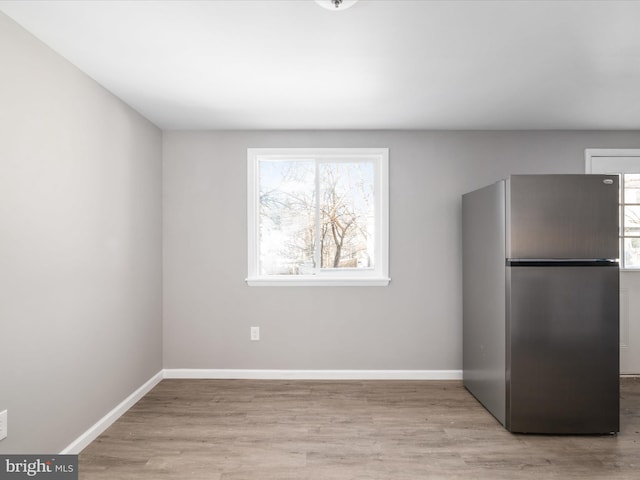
(335, 5)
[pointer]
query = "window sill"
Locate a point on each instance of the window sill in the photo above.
(318, 282)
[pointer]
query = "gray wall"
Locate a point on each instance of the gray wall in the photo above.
(80, 247)
(415, 323)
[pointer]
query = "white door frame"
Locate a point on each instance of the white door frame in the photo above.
(623, 160)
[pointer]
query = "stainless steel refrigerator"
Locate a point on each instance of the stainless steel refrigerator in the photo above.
(541, 302)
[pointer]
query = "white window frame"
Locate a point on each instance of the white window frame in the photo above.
(615, 161)
(378, 275)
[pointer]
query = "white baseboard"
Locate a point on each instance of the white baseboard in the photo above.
(105, 422)
(259, 374)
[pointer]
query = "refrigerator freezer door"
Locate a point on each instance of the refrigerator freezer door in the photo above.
(562, 216)
(563, 349)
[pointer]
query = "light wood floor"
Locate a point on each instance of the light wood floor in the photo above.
(321, 430)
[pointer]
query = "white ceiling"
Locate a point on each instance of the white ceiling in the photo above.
(382, 64)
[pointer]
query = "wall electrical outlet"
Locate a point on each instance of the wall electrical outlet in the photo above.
(3, 424)
(255, 333)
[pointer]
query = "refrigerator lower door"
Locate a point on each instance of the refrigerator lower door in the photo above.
(563, 349)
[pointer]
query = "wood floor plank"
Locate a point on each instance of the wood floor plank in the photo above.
(338, 430)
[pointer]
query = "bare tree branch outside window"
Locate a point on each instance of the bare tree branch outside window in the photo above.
(630, 235)
(301, 200)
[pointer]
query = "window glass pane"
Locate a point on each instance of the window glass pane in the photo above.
(347, 223)
(632, 220)
(632, 188)
(286, 217)
(632, 252)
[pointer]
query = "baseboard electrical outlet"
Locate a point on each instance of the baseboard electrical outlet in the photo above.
(255, 333)
(3, 424)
